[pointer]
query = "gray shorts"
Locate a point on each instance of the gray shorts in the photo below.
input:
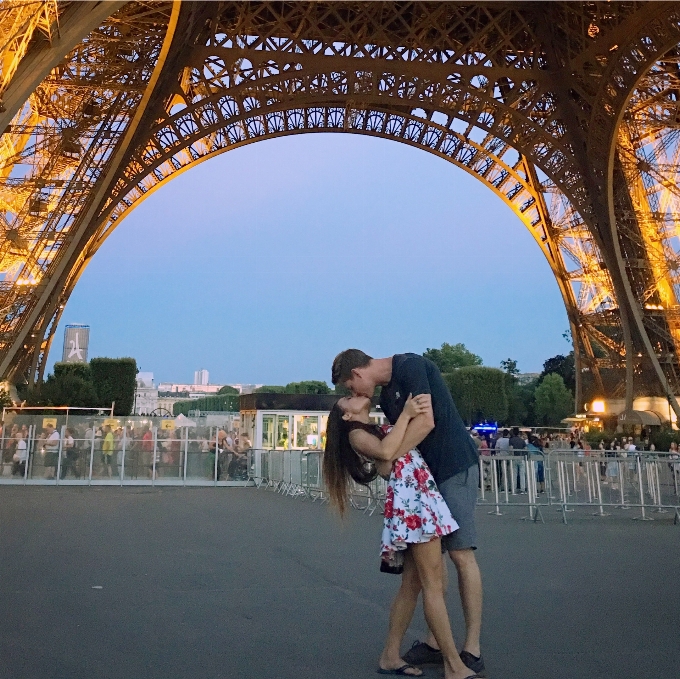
(460, 494)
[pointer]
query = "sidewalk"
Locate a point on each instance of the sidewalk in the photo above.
(245, 584)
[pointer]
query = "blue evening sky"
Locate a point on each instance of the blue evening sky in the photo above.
(263, 263)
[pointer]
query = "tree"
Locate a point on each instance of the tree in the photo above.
(562, 366)
(69, 385)
(509, 367)
(308, 387)
(271, 389)
(114, 380)
(554, 401)
(452, 356)
(68, 389)
(479, 393)
(520, 396)
(216, 403)
(226, 389)
(5, 399)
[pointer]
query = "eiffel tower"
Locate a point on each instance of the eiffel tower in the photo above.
(568, 111)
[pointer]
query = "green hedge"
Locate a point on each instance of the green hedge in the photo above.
(222, 403)
(93, 385)
(115, 380)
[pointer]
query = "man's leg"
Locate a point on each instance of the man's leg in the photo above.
(460, 494)
(470, 588)
(429, 564)
(523, 475)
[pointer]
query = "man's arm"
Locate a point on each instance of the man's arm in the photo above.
(418, 428)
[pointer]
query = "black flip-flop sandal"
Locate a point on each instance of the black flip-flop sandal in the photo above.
(401, 671)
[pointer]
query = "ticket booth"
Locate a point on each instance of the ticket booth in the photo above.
(290, 421)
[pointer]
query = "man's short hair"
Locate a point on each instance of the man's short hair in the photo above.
(345, 362)
(505, 433)
(515, 431)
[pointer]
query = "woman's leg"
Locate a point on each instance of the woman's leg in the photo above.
(401, 614)
(428, 559)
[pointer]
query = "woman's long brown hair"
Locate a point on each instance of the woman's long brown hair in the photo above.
(340, 461)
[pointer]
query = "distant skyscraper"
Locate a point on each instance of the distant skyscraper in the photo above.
(76, 341)
(201, 377)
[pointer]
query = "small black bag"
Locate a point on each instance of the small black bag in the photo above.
(394, 569)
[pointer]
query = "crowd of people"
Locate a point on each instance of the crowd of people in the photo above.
(138, 450)
(519, 443)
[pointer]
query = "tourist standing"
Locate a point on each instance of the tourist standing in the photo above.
(51, 448)
(20, 455)
(108, 447)
(517, 445)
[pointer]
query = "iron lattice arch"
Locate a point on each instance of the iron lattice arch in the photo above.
(567, 111)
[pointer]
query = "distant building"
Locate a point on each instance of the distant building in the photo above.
(202, 377)
(76, 342)
(526, 378)
(146, 394)
(203, 389)
(246, 388)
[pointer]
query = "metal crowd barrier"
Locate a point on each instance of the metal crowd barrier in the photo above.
(298, 473)
(605, 481)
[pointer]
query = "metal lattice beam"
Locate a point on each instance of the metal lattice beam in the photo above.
(553, 106)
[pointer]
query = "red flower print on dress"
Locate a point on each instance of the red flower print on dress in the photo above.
(422, 476)
(415, 511)
(413, 522)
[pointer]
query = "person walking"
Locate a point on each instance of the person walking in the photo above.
(69, 456)
(519, 472)
(447, 448)
(20, 455)
(51, 448)
(108, 447)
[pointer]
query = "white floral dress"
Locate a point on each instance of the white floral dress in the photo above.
(415, 510)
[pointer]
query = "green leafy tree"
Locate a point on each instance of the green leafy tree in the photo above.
(308, 387)
(479, 393)
(5, 399)
(114, 380)
(226, 389)
(214, 403)
(562, 366)
(509, 367)
(68, 389)
(520, 396)
(452, 356)
(271, 389)
(554, 401)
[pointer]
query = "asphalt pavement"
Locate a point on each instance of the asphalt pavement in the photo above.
(236, 583)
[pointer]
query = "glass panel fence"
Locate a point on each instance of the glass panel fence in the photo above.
(125, 450)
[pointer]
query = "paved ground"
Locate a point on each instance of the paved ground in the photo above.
(238, 583)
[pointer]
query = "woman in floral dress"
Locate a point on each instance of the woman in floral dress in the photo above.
(416, 517)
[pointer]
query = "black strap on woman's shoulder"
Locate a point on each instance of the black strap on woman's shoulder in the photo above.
(370, 428)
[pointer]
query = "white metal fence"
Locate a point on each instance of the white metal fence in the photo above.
(642, 483)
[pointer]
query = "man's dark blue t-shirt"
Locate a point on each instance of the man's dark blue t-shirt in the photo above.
(448, 449)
